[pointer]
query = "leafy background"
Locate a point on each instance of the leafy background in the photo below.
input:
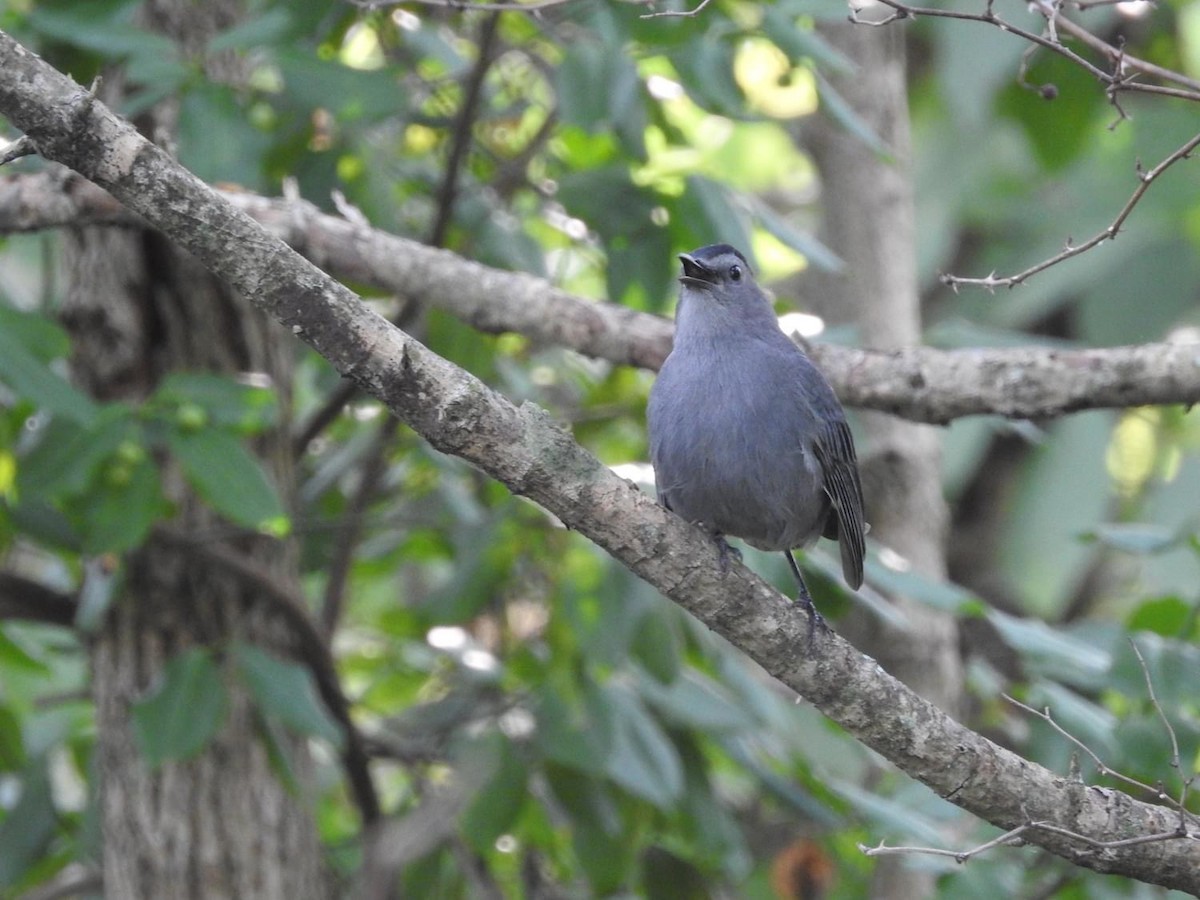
(614, 744)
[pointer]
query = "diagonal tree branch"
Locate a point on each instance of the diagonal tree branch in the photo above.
(524, 449)
(920, 383)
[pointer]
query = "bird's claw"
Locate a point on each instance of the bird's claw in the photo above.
(724, 552)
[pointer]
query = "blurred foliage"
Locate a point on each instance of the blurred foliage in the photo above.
(612, 745)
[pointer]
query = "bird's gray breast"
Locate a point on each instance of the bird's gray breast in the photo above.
(731, 444)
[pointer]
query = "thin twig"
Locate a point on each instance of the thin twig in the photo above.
(462, 5)
(1145, 179)
(1114, 54)
(677, 13)
(959, 856)
(988, 17)
(1015, 837)
(1176, 762)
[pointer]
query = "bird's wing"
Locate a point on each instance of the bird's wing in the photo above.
(835, 453)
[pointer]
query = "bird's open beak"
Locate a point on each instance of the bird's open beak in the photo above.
(696, 273)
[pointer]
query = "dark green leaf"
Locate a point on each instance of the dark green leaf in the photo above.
(227, 403)
(286, 691)
(183, 710)
(694, 701)
(12, 744)
(799, 42)
(33, 380)
(104, 28)
(643, 760)
(264, 29)
(575, 731)
(495, 806)
(118, 515)
(228, 476)
(29, 825)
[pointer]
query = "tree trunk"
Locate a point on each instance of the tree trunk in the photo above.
(222, 824)
(870, 221)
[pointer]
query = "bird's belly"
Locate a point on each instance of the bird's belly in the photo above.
(743, 486)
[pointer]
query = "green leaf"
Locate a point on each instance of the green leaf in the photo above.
(228, 476)
(228, 403)
(67, 458)
(1168, 616)
(643, 759)
(577, 81)
(104, 28)
(810, 246)
(656, 644)
(268, 28)
(183, 710)
(799, 42)
(118, 516)
(496, 805)
(933, 592)
(15, 657)
(1142, 539)
(575, 731)
(286, 691)
(1053, 652)
(695, 701)
(597, 833)
(29, 825)
(708, 209)
(12, 744)
(32, 379)
(846, 116)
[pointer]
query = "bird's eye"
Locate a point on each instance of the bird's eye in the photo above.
(735, 273)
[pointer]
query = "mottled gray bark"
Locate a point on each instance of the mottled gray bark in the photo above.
(917, 383)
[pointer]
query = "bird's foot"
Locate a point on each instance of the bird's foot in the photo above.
(724, 552)
(804, 598)
(815, 619)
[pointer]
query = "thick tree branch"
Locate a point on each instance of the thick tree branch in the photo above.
(920, 383)
(524, 449)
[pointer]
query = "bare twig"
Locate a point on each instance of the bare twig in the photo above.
(1176, 762)
(1117, 55)
(1016, 837)
(1012, 837)
(678, 13)
(1103, 768)
(462, 5)
(989, 17)
(1145, 179)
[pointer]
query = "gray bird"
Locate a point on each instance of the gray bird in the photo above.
(746, 436)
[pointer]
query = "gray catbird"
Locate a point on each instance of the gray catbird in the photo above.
(746, 436)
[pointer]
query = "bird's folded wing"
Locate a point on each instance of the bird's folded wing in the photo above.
(835, 452)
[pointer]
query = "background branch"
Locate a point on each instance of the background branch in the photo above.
(523, 449)
(918, 383)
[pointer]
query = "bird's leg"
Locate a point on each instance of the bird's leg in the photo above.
(725, 551)
(805, 600)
